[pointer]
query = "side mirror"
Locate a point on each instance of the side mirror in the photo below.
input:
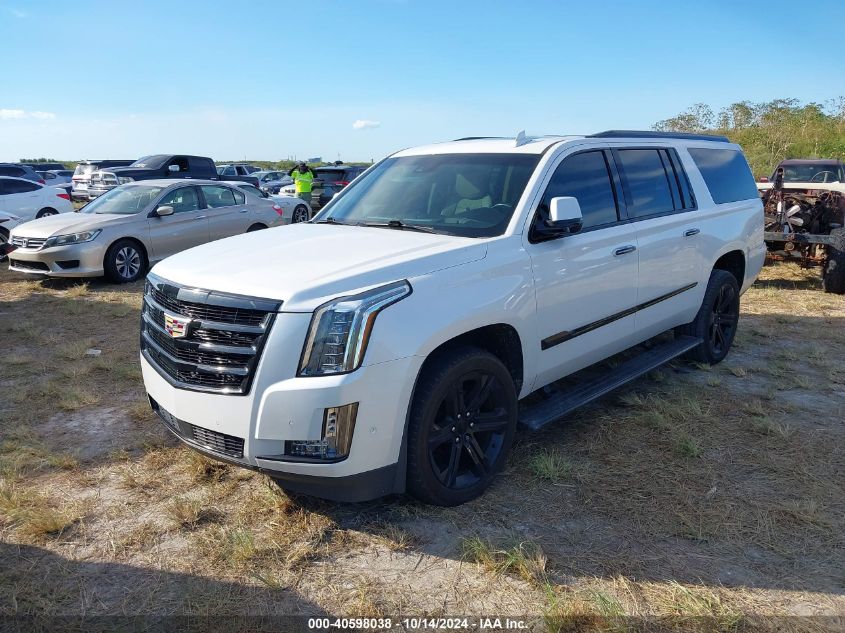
(565, 215)
(564, 218)
(164, 210)
(173, 169)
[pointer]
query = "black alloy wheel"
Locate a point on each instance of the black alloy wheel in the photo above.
(462, 426)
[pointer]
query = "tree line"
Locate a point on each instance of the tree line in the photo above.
(772, 131)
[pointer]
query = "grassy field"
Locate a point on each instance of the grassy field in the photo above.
(711, 497)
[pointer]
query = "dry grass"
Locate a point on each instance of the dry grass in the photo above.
(704, 497)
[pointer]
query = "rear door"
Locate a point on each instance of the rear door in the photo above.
(228, 213)
(186, 228)
(664, 216)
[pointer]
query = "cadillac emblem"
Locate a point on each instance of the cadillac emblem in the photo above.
(176, 326)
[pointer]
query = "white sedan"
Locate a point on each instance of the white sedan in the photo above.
(294, 209)
(29, 200)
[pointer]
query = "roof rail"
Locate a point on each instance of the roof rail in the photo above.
(655, 134)
(477, 138)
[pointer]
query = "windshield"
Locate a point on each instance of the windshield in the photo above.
(150, 162)
(471, 195)
(84, 170)
(819, 172)
(125, 200)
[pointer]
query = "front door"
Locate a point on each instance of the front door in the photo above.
(585, 282)
(186, 228)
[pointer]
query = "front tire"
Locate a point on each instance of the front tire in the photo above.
(300, 214)
(716, 321)
(45, 212)
(125, 262)
(462, 424)
(833, 278)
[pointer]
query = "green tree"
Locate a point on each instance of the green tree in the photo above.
(771, 131)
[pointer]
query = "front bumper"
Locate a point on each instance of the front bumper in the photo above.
(74, 260)
(282, 407)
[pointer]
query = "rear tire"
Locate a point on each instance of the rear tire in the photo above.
(46, 211)
(256, 227)
(125, 262)
(461, 427)
(716, 321)
(300, 214)
(833, 278)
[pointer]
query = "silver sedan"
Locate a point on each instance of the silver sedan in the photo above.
(123, 232)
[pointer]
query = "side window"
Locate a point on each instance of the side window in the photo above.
(648, 183)
(585, 177)
(182, 200)
(229, 171)
(726, 173)
(14, 172)
(217, 196)
(20, 186)
(240, 198)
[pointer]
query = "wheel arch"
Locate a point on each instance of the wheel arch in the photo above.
(732, 261)
(131, 238)
(500, 339)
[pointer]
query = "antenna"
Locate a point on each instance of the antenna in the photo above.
(521, 139)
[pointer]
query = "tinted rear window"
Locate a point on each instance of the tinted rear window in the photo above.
(648, 183)
(726, 173)
(330, 175)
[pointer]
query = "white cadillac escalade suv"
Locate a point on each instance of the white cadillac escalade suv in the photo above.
(390, 344)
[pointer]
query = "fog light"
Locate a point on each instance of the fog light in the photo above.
(338, 427)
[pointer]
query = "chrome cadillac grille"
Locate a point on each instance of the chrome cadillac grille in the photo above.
(204, 340)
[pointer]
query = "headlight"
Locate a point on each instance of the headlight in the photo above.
(122, 180)
(73, 238)
(340, 330)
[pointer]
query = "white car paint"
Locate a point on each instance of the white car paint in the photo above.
(35, 199)
(458, 285)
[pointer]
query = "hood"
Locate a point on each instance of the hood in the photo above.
(305, 265)
(65, 223)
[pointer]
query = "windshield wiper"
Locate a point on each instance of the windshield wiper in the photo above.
(331, 220)
(398, 224)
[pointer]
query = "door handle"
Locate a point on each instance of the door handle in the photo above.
(201, 217)
(624, 250)
(243, 210)
(691, 232)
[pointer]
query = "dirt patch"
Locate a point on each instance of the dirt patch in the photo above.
(712, 493)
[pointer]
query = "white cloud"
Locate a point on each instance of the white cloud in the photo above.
(363, 124)
(6, 113)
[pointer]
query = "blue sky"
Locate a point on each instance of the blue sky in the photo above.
(254, 79)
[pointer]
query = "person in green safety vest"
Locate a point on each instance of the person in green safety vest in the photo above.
(303, 177)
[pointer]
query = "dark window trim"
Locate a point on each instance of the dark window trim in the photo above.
(674, 189)
(682, 177)
(568, 335)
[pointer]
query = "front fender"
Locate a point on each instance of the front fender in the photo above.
(446, 304)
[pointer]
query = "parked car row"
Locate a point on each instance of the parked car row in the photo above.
(122, 232)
